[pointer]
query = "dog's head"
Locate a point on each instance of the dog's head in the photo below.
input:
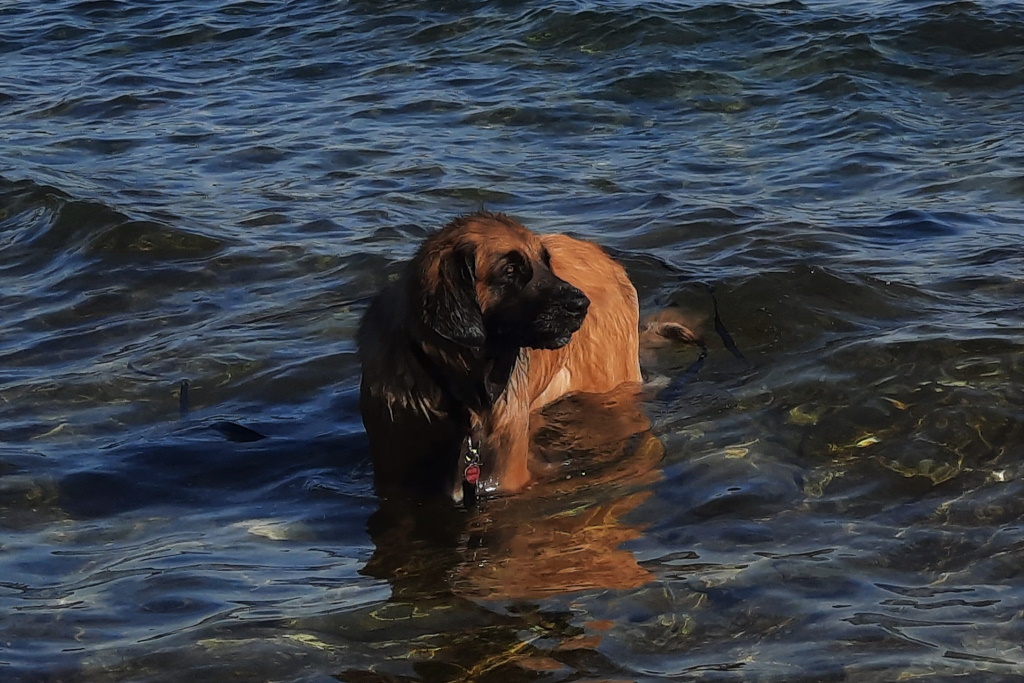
(484, 280)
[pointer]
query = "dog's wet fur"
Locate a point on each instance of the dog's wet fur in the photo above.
(487, 324)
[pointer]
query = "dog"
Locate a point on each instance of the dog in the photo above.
(488, 324)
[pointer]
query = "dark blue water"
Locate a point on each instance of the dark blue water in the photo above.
(209, 191)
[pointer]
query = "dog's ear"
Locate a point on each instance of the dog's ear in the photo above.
(447, 296)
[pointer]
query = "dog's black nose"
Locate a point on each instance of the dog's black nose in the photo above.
(574, 300)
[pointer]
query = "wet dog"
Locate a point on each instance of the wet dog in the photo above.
(488, 324)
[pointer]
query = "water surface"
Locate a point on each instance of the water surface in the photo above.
(210, 190)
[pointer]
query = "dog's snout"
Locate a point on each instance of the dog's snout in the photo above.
(575, 300)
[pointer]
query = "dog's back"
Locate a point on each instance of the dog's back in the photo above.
(604, 352)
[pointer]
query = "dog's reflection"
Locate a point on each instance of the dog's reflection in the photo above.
(596, 461)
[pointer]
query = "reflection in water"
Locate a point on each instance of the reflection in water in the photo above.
(519, 550)
(564, 534)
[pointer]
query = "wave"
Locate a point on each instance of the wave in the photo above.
(42, 224)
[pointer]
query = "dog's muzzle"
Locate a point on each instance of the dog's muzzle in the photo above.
(563, 315)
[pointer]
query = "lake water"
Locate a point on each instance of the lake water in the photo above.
(210, 191)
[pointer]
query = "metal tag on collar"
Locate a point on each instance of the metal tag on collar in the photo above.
(471, 475)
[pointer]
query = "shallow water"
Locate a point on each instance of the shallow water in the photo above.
(211, 190)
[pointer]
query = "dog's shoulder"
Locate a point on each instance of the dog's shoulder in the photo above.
(568, 248)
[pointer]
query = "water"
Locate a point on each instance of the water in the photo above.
(211, 190)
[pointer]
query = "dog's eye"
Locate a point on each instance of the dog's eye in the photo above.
(514, 269)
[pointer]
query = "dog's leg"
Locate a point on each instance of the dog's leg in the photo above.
(509, 447)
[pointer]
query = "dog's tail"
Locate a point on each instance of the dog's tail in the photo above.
(671, 326)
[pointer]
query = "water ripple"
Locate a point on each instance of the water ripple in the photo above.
(210, 192)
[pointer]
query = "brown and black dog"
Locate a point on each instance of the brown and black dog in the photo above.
(488, 324)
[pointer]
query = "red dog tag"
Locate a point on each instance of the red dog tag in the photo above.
(472, 474)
